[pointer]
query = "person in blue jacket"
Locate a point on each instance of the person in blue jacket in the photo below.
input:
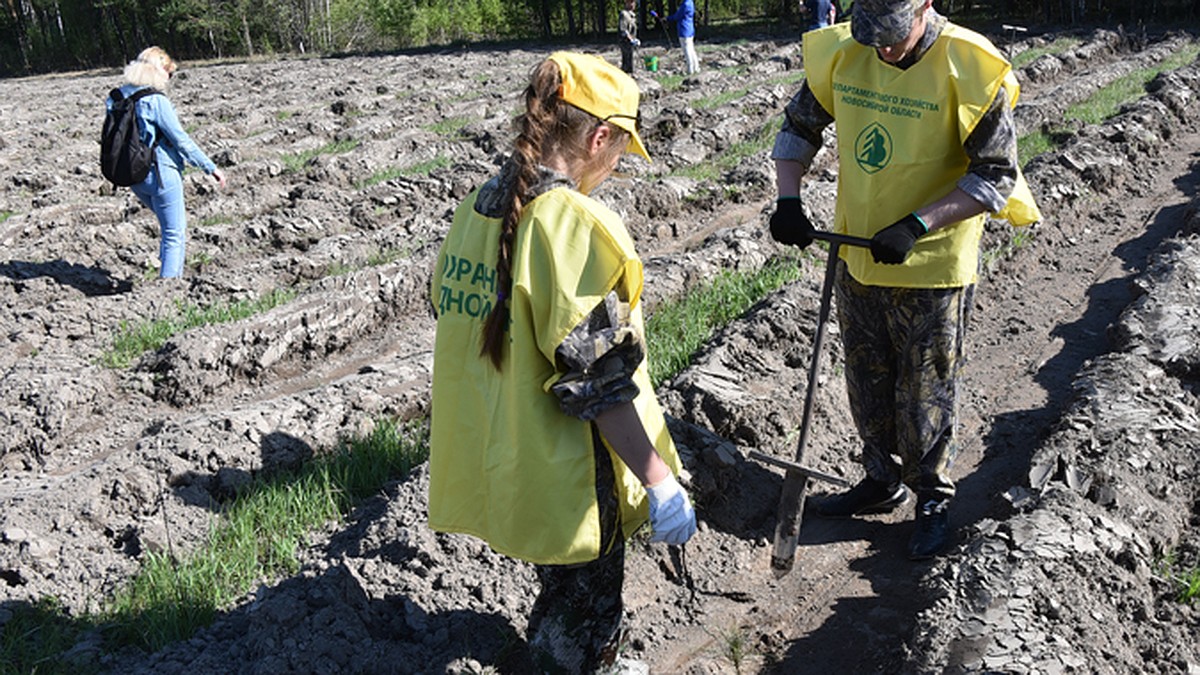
(684, 19)
(821, 13)
(162, 190)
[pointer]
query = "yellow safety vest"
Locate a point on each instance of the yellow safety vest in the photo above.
(900, 146)
(506, 464)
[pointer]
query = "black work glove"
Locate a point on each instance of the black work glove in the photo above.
(892, 244)
(789, 225)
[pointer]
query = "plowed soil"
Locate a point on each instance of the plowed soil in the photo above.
(1078, 502)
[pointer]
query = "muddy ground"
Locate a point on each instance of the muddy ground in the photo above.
(1078, 469)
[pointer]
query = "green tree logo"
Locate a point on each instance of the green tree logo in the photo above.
(873, 148)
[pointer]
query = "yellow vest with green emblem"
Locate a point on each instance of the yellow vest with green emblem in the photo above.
(506, 464)
(900, 146)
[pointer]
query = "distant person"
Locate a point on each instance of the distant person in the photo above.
(927, 148)
(627, 28)
(162, 190)
(547, 441)
(821, 13)
(685, 26)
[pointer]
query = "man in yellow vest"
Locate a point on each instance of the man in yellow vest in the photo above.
(927, 148)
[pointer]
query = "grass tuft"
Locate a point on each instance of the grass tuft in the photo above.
(712, 169)
(1184, 579)
(294, 162)
(1021, 237)
(1105, 102)
(680, 326)
(1059, 46)
(133, 340)
(449, 127)
(419, 169)
(1032, 145)
(671, 83)
(255, 540)
(718, 100)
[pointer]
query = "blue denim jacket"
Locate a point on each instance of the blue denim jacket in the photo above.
(157, 120)
(683, 18)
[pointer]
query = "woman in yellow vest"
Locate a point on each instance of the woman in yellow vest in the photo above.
(547, 440)
(927, 149)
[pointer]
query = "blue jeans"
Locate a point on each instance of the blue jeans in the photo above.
(162, 192)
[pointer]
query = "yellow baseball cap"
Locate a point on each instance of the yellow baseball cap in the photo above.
(594, 85)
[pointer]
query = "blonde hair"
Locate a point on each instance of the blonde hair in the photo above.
(549, 126)
(152, 68)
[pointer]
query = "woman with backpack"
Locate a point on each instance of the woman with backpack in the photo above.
(158, 126)
(546, 438)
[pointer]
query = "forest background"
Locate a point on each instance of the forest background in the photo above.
(41, 36)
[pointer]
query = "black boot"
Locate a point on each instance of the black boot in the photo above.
(869, 496)
(933, 528)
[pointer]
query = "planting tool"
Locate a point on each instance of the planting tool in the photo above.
(791, 500)
(663, 24)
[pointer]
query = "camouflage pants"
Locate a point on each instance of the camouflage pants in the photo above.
(575, 624)
(904, 355)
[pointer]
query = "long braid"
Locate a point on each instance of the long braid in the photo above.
(541, 103)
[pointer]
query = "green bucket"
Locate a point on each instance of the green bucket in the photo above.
(651, 63)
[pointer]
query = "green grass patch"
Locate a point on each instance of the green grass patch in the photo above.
(255, 539)
(339, 268)
(712, 169)
(380, 176)
(133, 339)
(449, 127)
(1059, 46)
(382, 256)
(671, 82)
(419, 169)
(39, 635)
(703, 172)
(718, 100)
(790, 77)
(1104, 103)
(295, 161)
(1184, 578)
(209, 221)
(1189, 586)
(387, 255)
(1107, 101)
(704, 194)
(1032, 145)
(679, 327)
(1021, 237)
(282, 115)
(198, 260)
(5, 215)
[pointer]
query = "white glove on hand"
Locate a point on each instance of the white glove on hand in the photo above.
(635, 42)
(671, 515)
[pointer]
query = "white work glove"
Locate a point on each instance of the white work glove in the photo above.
(671, 515)
(635, 42)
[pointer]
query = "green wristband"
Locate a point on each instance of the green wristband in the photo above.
(921, 221)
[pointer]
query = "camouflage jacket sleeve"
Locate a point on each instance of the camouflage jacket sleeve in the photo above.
(803, 121)
(599, 358)
(991, 148)
(992, 151)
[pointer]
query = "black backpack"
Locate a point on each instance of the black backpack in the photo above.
(124, 158)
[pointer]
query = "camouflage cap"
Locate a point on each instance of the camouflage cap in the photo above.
(880, 23)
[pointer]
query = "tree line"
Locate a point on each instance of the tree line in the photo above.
(38, 36)
(50, 35)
